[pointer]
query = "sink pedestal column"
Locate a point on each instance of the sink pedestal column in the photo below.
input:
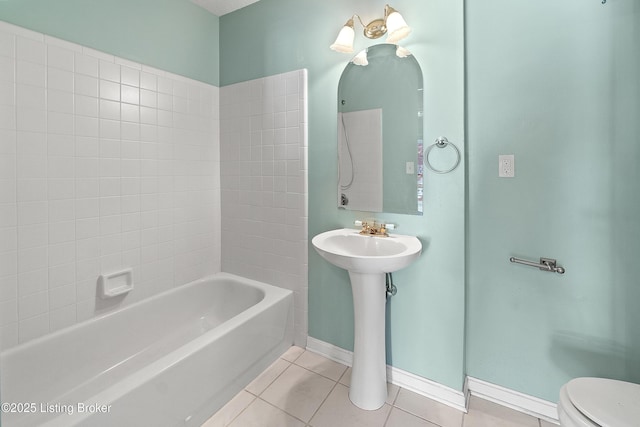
(368, 388)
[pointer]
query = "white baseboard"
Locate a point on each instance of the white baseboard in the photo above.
(404, 379)
(521, 402)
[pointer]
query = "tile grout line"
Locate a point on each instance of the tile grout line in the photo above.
(335, 384)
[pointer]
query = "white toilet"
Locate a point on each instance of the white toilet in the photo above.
(599, 402)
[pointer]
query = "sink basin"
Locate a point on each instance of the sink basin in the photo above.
(368, 259)
(348, 249)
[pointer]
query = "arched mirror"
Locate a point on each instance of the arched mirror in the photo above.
(380, 98)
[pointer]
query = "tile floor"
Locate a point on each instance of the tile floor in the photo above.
(303, 388)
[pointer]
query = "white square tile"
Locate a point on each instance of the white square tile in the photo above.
(31, 190)
(7, 117)
(61, 232)
(130, 113)
(60, 167)
(31, 119)
(59, 101)
(109, 129)
(87, 208)
(59, 57)
(8, 288)
(30, 236)
(61, 189)
(58, 210)
(60, 123)
(30, 50)
(7, 69)
(31, 96)
(86, 105)
(60, 79)
(62, 296)
(33, 282)
(33, 327)
(7, 142)
(86, 126)
(85, 64)
(130, 76)
(8, 312)
(109, 90)
(62, 253)
(86, 85)
(7, 44)
(60, 145)
(62, 317)
(109, 71)
(130, 94)
(9, 263)
(61, 275)
(33, 305)
(8, 239)
(148, 98)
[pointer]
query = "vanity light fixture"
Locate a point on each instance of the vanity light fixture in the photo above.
(393, 24)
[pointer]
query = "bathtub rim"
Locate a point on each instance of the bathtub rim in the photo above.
(268, 291)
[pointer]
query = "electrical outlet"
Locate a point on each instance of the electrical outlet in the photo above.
(506, 166)
(410, 168)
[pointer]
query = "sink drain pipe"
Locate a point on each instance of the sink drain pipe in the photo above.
(391, 288)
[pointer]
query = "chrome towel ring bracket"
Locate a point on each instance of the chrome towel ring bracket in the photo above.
(441, 142)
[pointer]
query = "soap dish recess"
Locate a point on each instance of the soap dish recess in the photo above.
(115, 284)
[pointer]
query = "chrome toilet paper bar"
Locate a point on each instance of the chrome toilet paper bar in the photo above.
(545, 264)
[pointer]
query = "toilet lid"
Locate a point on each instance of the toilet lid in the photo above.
(609, 403)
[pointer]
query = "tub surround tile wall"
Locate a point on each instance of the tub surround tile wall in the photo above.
(263, 150)
(104, 164)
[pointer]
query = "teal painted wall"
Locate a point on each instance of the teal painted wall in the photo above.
(555, 83)
(172, 35)
(426, 317)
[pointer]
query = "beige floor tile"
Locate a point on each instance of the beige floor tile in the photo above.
(392, 390)
(261, 414)
(298, 392)
(263, 381)
(400, 418)
(346, 377)
(544, 423)
(321, 365)
(483, 413)
(428, 409)
(338, 411)
(293, 353)
(228, 412)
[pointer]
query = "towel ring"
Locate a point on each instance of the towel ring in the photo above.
(441, 142)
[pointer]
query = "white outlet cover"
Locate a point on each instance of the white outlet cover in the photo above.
(410, 168)
(506, 166)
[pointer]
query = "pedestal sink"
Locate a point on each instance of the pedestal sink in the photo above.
(367, 259)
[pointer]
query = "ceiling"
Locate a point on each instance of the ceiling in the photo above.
(222, 7)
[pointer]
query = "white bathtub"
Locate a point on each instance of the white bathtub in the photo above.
(171, 360)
